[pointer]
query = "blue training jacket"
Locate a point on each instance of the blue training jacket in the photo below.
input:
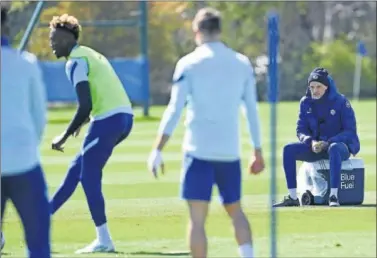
(330, 118)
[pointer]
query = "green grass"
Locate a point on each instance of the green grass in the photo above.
(147, 219)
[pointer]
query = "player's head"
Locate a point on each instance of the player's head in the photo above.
(4, 17)
(64, 34)
(318, 82)
(206, 25)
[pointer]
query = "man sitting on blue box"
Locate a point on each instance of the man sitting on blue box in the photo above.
(326, 129)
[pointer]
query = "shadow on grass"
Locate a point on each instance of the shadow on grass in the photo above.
(109, 253)
(117, 252)
(6, 254)
(367, 205)
(167, 253)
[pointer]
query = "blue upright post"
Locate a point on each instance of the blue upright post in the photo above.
(273, 43)
(33, 21)
(361, 52)
(144, 53)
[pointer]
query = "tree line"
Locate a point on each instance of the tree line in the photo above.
(311, 34)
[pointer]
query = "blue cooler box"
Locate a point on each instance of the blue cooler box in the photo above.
(351, 188)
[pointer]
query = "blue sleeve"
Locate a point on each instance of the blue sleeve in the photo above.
(179, 92)
(302, 128)
(77, 70)
(348, 123)
(38, 107)
(251, 109)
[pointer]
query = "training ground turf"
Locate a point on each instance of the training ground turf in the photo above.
(147, 219)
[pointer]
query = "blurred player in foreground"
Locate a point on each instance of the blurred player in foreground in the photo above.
(101, 94)
(326, 128)
(23, 120)
(215, 81)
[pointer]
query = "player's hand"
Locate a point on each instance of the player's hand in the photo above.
(58, 142)
(77, 132)
(316, 147)
(324, 145)
(155, 162)
(257, 163)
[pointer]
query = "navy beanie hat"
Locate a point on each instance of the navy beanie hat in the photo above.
(319, 75)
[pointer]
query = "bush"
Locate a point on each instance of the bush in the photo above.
(339, 58)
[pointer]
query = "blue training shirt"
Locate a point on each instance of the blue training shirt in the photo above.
(76, 70)
(214, 81)
(23, 111)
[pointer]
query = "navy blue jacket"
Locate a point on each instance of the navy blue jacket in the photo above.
(330, 119)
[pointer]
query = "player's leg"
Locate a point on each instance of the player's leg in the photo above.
(72, 178)
(103, 136)
(296, 152)
(28, 193)
(94, 159)
(68, 186)
(228, 177)
(291, 153)
(337, 152)
(196, 189)
(197, 237)
(126, 131)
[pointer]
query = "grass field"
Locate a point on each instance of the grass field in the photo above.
(147, 219)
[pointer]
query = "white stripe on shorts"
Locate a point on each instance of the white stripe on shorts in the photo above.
(89, 146)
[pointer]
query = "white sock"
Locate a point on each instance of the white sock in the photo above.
(293, 193)
(103, 234)
(246, 251)
(334, 191)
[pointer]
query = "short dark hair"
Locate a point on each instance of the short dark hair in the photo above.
(207, 20)
(68, 23)
(4, 15)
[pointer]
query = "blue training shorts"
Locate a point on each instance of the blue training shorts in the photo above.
(199, 176)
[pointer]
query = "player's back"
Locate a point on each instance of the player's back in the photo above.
(22, 111)
(217, 71)
(217, 77)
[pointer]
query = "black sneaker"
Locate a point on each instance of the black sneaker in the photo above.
(287, 202)
(333, 201)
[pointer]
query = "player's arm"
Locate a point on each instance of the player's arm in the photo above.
(77, 72)
(302, 128)
(38, 100)
(348, 124)
(172, 114)
(251, 110)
